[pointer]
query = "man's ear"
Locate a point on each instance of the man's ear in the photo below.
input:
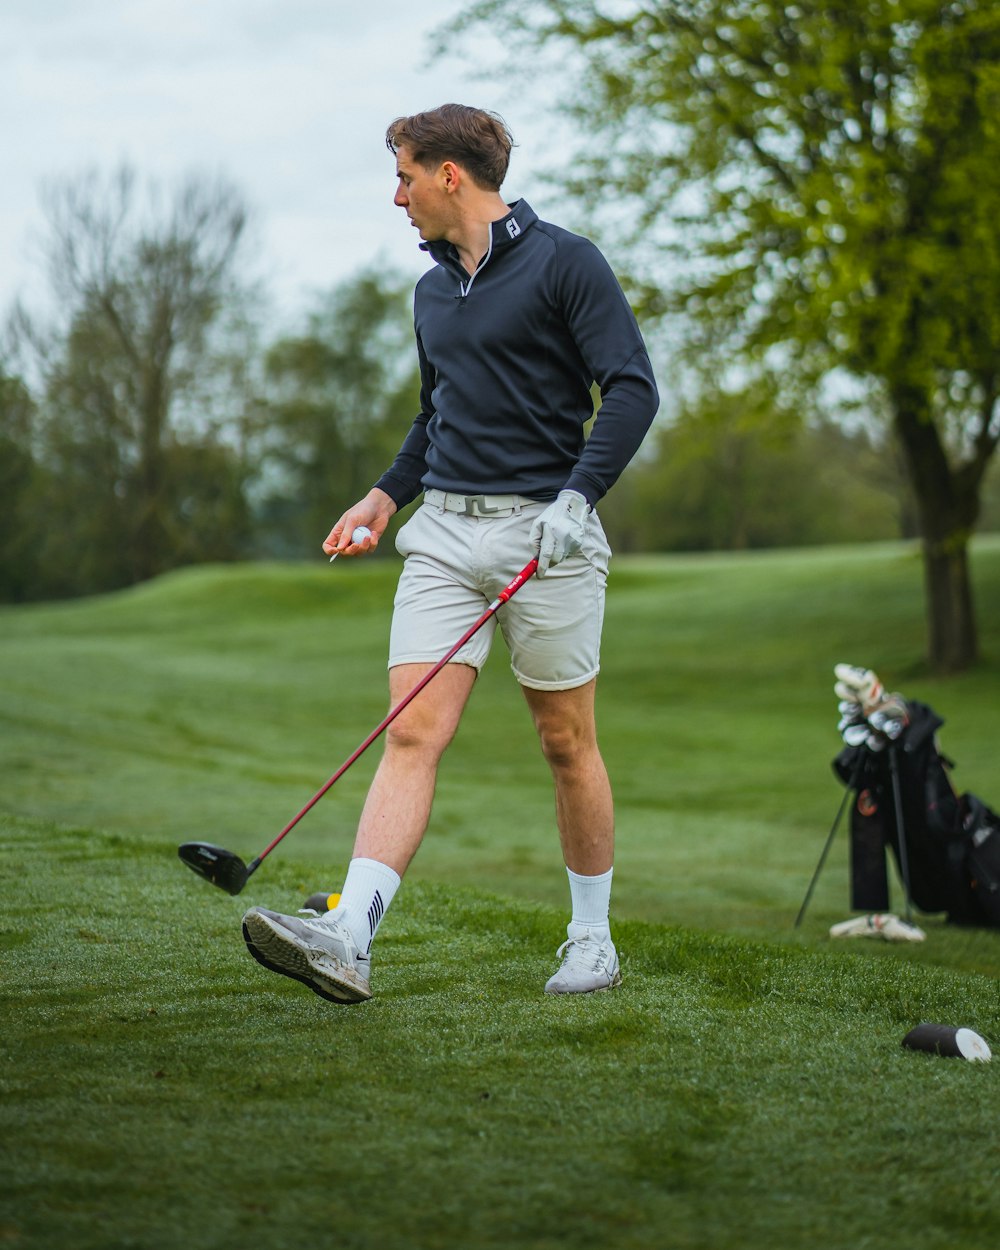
(451, 176)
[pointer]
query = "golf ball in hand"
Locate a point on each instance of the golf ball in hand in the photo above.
(360, 534)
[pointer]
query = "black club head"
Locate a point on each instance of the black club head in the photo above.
(215, 864)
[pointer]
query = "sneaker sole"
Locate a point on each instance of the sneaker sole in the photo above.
(280, 955)
(616, 980)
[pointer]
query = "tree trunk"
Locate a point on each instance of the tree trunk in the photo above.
(947, 516)
(950, 615)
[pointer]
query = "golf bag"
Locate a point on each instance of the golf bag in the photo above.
(946, 845)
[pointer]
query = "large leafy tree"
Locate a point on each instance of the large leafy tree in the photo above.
(815, 184)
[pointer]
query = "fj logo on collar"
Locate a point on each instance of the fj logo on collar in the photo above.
(513, 229)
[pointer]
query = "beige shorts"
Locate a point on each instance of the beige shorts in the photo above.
(456, 563)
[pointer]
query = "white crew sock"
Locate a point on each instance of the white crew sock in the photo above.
(369, 889)
(591, 899)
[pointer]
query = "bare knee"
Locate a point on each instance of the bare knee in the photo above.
(424, 728)
(564, 721)
(418, 736)
(565, 744)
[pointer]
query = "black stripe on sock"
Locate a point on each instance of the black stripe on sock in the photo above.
(375, 913)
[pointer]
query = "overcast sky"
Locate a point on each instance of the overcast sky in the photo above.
(288, 98)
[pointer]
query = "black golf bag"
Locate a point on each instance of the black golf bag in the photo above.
(946, 846)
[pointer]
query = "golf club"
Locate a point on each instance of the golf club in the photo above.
(226, 870)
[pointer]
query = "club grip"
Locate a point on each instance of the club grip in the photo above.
(514, 586)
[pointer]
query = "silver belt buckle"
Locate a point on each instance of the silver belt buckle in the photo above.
(475, 505)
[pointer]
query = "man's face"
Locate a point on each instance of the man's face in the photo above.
(421, 191)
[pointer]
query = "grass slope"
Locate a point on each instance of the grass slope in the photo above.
(162, 1090)
(745, 1088)
(213, 703)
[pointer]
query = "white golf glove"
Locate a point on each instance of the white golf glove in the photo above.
(560, 529)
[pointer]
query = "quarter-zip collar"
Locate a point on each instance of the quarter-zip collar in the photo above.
(503, 234)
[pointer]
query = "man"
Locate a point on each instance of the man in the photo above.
(514, 324)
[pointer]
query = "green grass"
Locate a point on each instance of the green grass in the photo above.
(745, 1088)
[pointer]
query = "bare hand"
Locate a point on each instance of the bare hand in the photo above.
(374, 512)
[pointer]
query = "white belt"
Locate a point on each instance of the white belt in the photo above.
(477, 505)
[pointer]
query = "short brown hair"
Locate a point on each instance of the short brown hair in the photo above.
(476, 139)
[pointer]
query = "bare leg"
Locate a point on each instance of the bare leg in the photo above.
(567, 730)
(398, 805)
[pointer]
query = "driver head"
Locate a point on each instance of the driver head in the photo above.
(215, 864)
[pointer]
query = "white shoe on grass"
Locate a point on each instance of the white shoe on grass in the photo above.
(884, 925)
(320, 953)
(589, 964)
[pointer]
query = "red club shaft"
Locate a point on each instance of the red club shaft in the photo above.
(507, 593)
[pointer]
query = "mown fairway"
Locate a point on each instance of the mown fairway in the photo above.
(745, 1088)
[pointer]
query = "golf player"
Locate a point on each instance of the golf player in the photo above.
(515, 323)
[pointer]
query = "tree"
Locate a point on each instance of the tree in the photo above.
(825, 176)
(340, 399)
(736, 470)
(23, 487)
(128, 369)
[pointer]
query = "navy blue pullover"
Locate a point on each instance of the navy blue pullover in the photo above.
(507, 360)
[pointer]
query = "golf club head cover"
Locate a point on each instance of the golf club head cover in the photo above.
(559, 531)
(885, 722)
(858, 685)
(855, 734)
(850, 715)
(891, 716)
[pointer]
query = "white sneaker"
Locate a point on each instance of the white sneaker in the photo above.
(322, 953)
(883, 925)
(588, 964)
